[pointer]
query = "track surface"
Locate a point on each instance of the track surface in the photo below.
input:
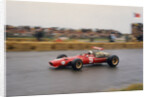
(28, 73)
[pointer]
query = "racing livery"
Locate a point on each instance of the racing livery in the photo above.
(91, 57)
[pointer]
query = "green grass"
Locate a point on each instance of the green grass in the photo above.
(132, 87)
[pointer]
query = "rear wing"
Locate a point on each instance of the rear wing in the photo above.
(97, 48)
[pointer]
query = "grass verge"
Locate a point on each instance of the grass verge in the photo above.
(138, 86)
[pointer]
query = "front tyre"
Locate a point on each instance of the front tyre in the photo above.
(77, 64)
(113, 60)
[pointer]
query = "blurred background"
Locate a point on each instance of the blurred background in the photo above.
(60, 22)
(57, 34)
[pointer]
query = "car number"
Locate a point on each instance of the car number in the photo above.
(90, 60)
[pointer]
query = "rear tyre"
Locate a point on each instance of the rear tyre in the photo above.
(61, 56)
(77, 64)
(113, 61)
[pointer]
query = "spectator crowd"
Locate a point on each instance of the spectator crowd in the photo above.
(56, 32)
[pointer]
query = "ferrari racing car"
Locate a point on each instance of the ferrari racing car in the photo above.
(91, 57)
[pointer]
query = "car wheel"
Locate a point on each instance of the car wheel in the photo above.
(77, 64)
(61, 56)
(113, 60)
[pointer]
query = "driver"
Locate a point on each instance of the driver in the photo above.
(90, 52)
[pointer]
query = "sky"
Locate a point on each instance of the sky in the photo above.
(74, 16)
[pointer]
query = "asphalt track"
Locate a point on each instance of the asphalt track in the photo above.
(28, 73)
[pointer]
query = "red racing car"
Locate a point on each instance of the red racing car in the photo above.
(91, 57)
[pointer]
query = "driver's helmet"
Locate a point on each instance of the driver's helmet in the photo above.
(90, 52)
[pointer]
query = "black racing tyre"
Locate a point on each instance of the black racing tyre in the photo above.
(61, 56)
(113, 60)
(77, 64)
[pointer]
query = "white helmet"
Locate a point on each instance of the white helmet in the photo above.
(90, 52)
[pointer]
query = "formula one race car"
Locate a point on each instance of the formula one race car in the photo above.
(91, 57)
